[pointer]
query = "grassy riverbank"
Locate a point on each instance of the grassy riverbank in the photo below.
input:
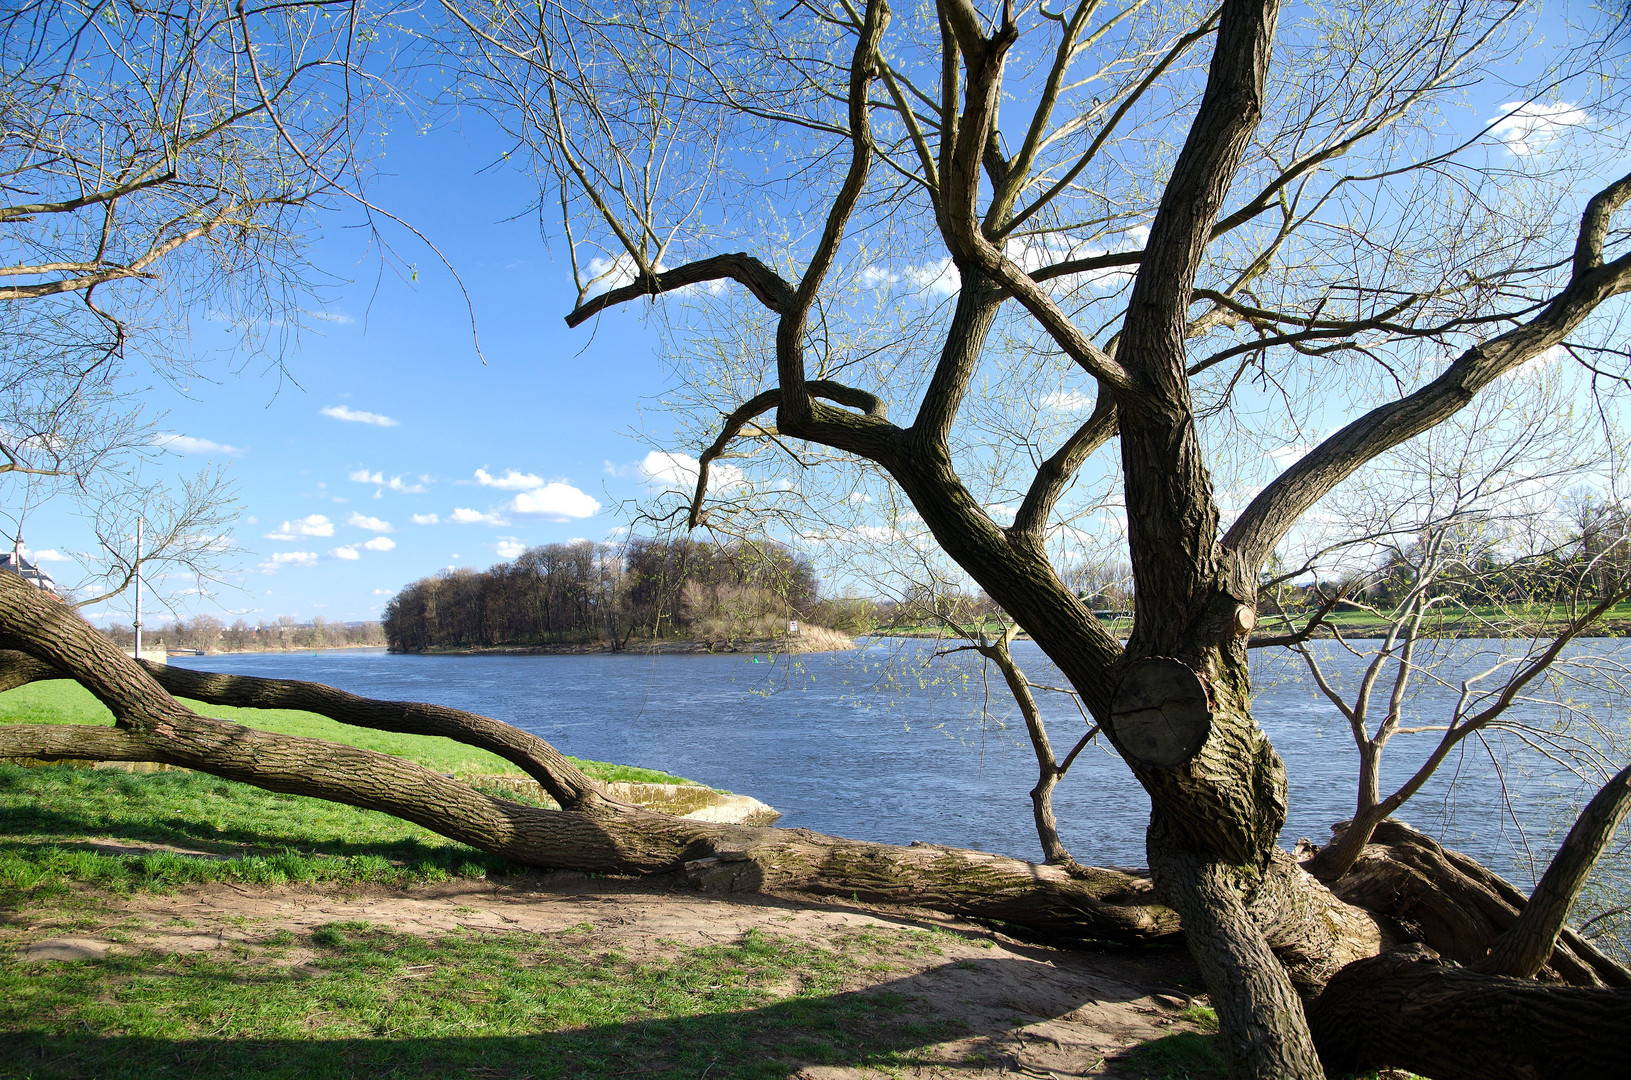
(1521, 621)
(62, 701)
(152, 923)
(190, 827)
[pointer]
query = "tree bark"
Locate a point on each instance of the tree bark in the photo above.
(1260, 1016)
(1410, 1009)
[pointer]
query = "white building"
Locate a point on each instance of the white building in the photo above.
(13, 560)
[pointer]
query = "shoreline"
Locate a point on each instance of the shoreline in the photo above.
(265, 652)
(812, 640)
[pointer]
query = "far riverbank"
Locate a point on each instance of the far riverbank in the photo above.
(811, 639)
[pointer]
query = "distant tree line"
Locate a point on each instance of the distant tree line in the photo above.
(586, 592)
(1474, 563)
(205, 633)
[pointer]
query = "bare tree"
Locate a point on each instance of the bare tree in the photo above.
(1187, 242)
(1276, 213)
(159, 164)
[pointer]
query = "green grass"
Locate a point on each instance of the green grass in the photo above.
(1184, 1055)
(1475, 622)
(49, 814)
(370, 1001)
(62, 701)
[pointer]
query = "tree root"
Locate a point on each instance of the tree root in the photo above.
(1457, 907)
(1412, 1009)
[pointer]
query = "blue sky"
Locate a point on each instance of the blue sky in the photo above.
(391, 449)
(388, 449)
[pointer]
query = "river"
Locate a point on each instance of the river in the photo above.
(889, 743)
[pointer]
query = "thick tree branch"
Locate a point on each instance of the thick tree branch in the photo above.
(769, 287)
(1289, 496)
(869, 404)
(960, 219)
(1527, 944)
(1588, 246)
(555, 773)
(1410, 1009)
(796, 408)
(20, 669)
(1031, 520)
(1306, 631)
(977, 304)
(1181, 46)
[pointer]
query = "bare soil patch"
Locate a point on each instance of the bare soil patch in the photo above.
(1020, 1009)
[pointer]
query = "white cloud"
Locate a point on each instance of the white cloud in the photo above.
(935, 277)
(463, 515)
(1289, 455)
(426, 519)
(395, 483)
(608, 274)
(1001, 513)
(331, 316)
(380, 543)
(678, 472)
(186, 444)
(372, 524)
(349, 552)
(357, 416)
(1528, 127)
(310, 525)
(557, 500)
(281, 559)
(383, 592)
(510, 481)
(1067, 401)
(1033, 253)
(46, 555)
(509, 548)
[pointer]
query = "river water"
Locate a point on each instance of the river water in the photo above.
(894, 744)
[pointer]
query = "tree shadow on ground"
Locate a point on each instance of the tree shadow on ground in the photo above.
(889, 1026)
(202, 835)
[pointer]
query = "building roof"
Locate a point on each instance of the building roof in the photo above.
(13, 560)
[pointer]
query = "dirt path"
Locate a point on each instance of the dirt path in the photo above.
(1028, 1010)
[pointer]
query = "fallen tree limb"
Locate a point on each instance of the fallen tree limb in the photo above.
(1102, 903)
(554, 771)
(604, 837)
